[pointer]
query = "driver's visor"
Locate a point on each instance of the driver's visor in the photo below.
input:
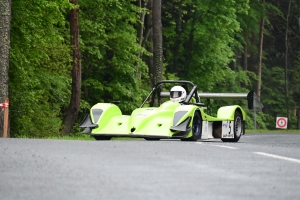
(175, 94)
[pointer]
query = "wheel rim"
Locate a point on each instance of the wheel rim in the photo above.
(238, 126)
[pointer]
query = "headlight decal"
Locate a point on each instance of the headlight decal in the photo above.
(177, 116)
(96, 114)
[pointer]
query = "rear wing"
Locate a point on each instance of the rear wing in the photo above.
(253, 101)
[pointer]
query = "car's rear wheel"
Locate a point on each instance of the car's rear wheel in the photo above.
(97, 137)
(238, 128)
(196, 128)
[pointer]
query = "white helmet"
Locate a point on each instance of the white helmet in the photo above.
(177, 94)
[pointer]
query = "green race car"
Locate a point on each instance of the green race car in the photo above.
(181, 116)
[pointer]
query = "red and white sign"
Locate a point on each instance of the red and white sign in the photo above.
(3, 105)
(281, 122)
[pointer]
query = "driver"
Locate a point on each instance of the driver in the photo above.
(177, 94)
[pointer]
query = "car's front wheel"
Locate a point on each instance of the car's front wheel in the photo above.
(97, 137)
(238, 128)
(196, 128)
(152, 139)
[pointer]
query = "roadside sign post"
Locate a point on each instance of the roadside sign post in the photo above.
(257, 107)
(281, 122)
(254, 113)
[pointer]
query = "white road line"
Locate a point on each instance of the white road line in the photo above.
(228, 147)
(225, 147)
(279, 157)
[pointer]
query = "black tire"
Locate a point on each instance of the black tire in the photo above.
(238, 128)
(152, 139)
(196, 128)
(102, 137)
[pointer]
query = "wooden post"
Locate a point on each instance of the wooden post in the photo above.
(5, 127)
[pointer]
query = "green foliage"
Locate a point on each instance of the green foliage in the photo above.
(112, 69)
(203, 41)
(198, 42)
(273, 98)
(39, 67)
(236, 82)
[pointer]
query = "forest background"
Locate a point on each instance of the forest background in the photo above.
(60, 57)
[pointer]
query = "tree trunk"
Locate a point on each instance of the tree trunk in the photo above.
(157, 40)
(188, 48)
(140, 25)
(286, 62)
(260, 50)
(245, 60)
(140, 32)
(5, 19)
(298, 119)
(252, 60)
(140, 29)
(74, 106)
(150, 42)
(174, 68)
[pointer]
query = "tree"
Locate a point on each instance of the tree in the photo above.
(5, 20)
(111, 54)
(286, 61)
(249, 22)
(199, 39)
(157, 41)
(149, 39)
(74, 106)
(260, 50)
(40, 65)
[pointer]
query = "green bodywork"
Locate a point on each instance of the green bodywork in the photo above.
(151, 121)
(225, 113)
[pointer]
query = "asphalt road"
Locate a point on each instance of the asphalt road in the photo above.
(260, 166)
